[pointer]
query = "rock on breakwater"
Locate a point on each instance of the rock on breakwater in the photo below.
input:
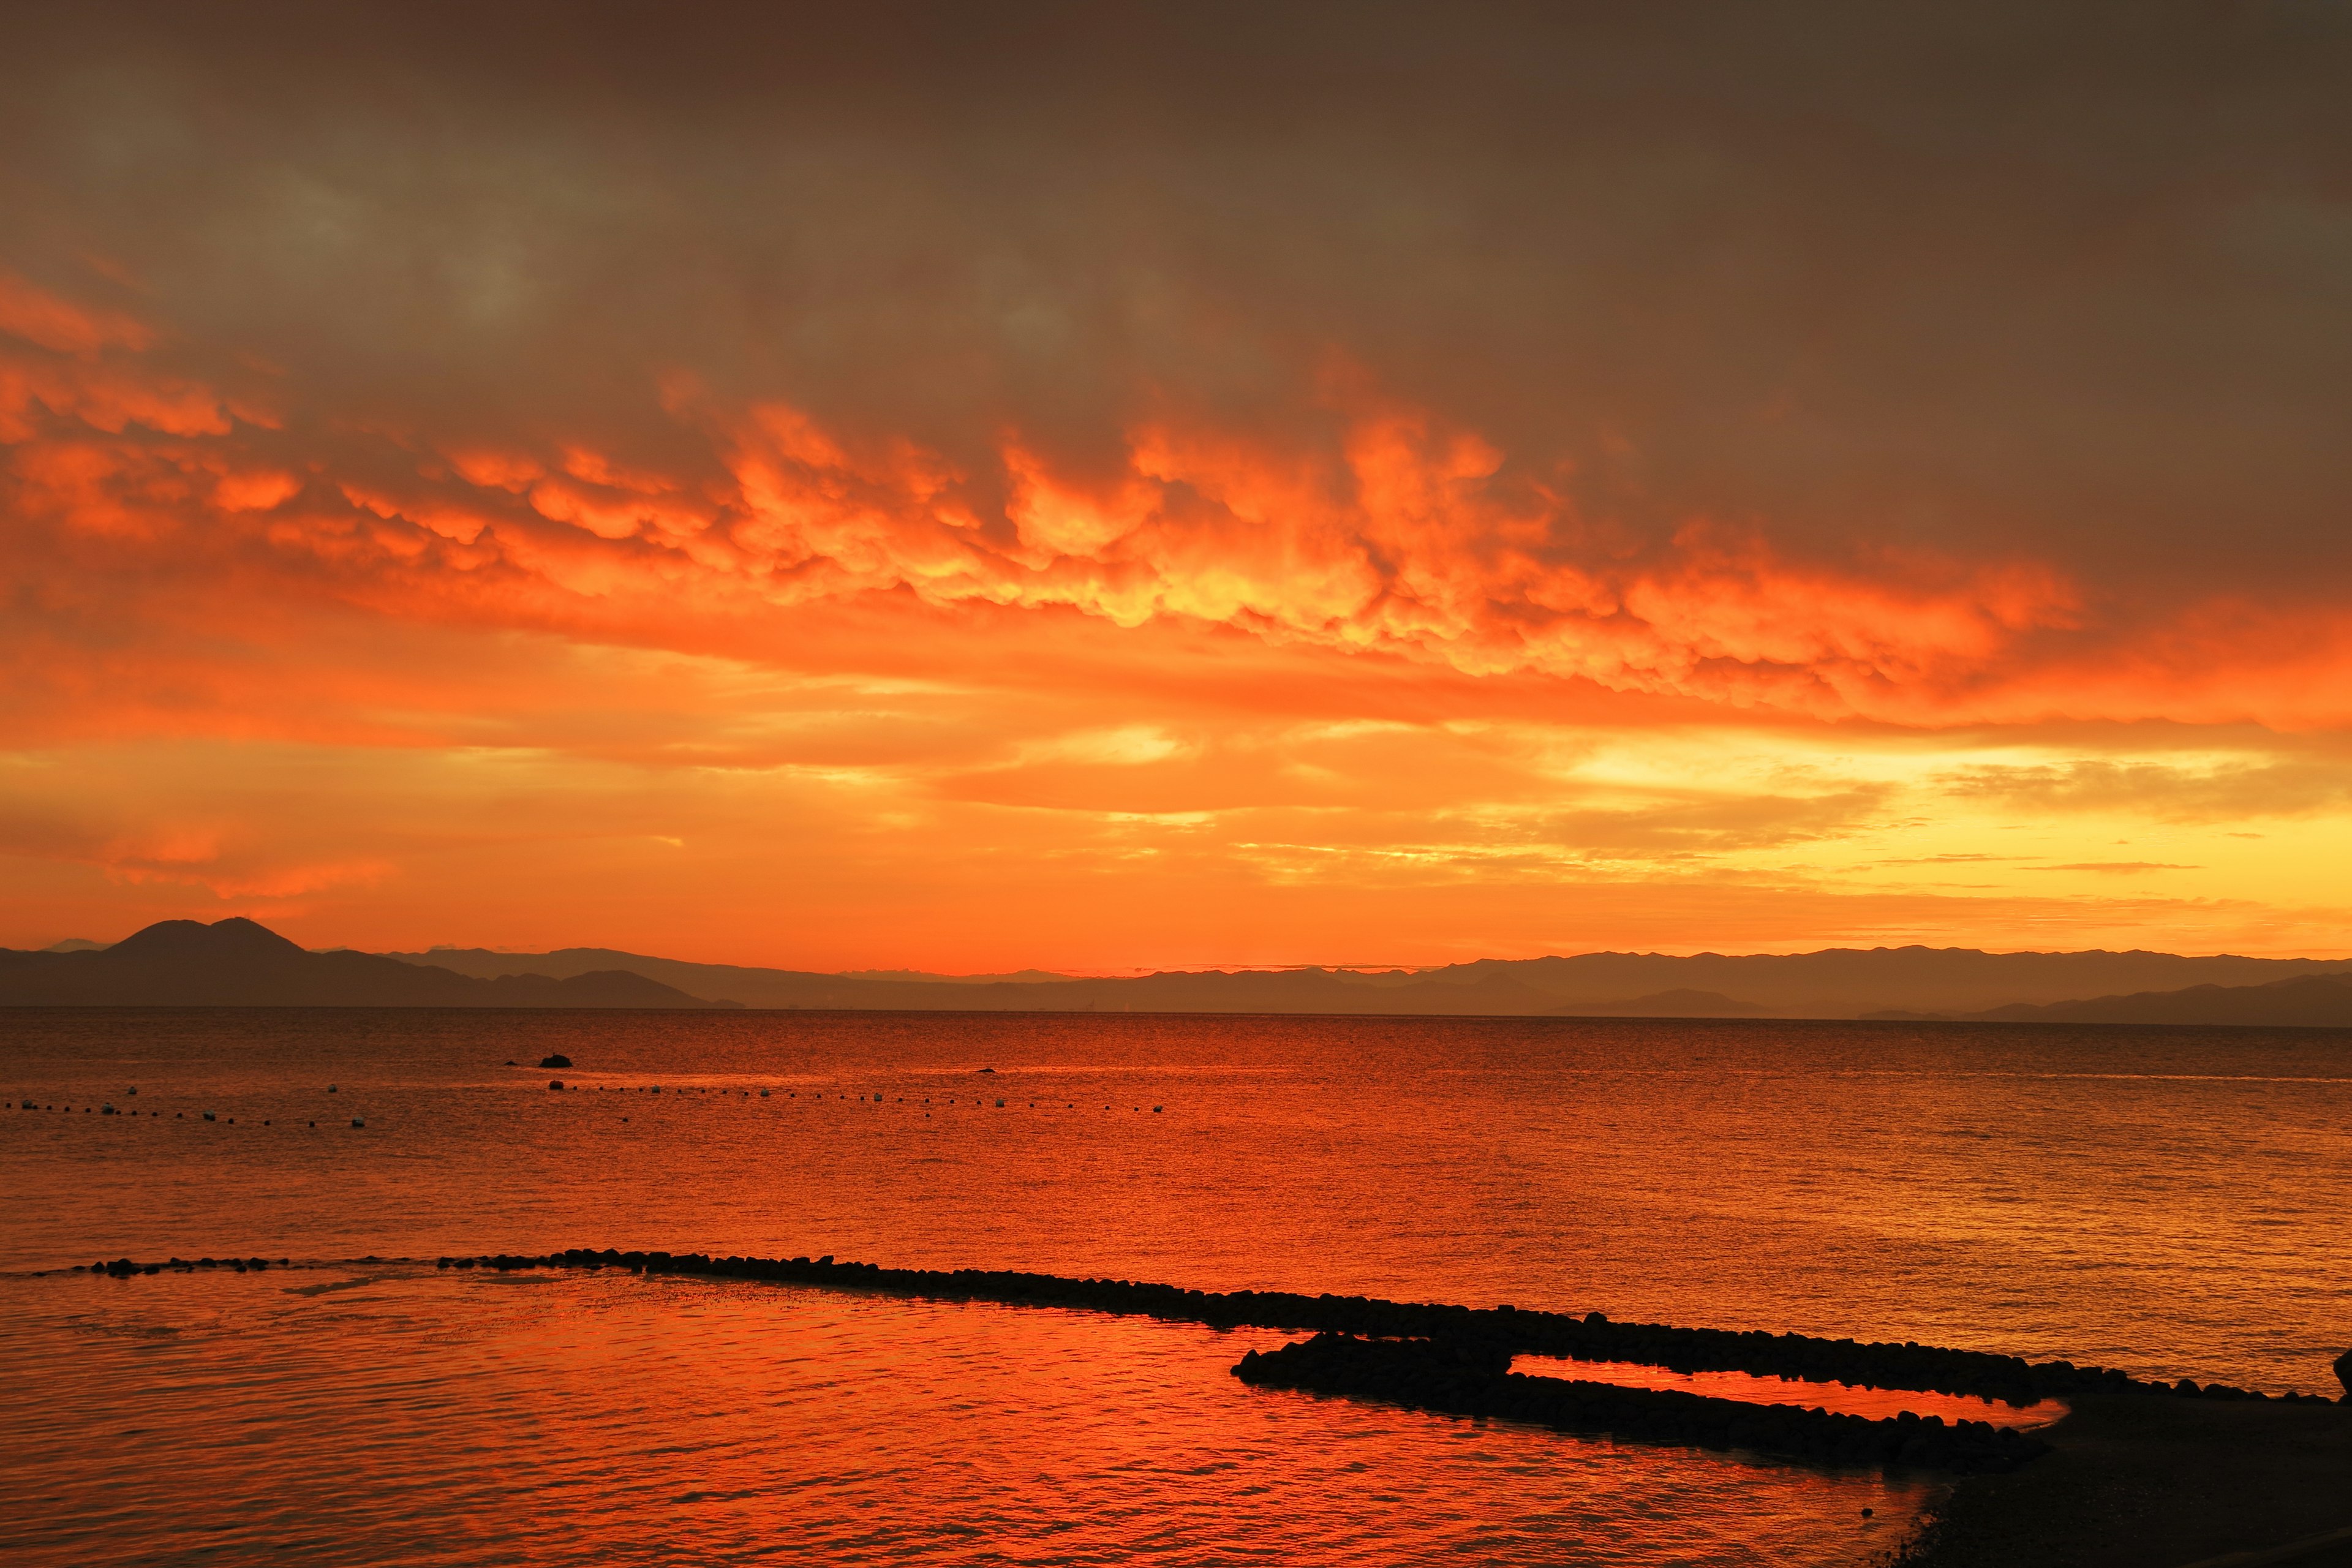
(1476, 1379)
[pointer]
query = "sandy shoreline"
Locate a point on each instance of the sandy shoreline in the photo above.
(2140, 1482)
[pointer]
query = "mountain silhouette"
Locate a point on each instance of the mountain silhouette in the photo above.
(237, 962)
(1835, 983)
(2315, 1001)
(1679, 1004)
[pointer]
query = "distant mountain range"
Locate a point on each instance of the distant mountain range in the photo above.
(236, 963)
(1838, 982)
(2310, 1001)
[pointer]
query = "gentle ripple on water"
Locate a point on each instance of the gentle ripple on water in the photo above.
(2168, 1201)
(406, 1415)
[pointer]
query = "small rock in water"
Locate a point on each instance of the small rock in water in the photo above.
(555, 1083)
(555, 1061)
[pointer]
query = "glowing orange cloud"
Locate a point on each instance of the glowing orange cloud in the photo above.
(1409, 538)
(1371, 685)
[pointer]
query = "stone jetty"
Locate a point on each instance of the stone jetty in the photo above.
(124, 1267)
(1476, 1379)
(1496, 1331)
(1592, 1337)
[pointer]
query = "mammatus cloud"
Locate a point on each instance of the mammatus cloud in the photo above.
(1399, 536)
(1397, 483)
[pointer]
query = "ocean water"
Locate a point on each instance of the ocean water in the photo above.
(2166, 1201)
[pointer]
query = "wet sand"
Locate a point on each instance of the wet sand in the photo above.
(2137, 1482)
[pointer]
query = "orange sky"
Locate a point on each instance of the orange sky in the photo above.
(834, 511)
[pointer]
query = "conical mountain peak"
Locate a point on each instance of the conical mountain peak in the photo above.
(234, 937)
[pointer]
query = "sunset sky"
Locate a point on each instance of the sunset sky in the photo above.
(1102, 487)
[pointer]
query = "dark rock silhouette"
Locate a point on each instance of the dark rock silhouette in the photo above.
(2344, 1373)
(555, 1061)
(235, 962)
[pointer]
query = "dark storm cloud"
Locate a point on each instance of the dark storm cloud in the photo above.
(2069, 281)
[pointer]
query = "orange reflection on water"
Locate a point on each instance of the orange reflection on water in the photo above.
(1844, 1399)
(393, 1414)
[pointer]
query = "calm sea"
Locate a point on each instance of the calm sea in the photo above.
(2170, 1202)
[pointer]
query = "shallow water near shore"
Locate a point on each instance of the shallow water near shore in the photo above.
(2161, 1201)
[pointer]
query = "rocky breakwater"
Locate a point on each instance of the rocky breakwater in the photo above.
(1476, 1380)
(1592, 1337)
(124, 1267)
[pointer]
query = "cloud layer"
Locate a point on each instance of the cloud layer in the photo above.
(1290, 467)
